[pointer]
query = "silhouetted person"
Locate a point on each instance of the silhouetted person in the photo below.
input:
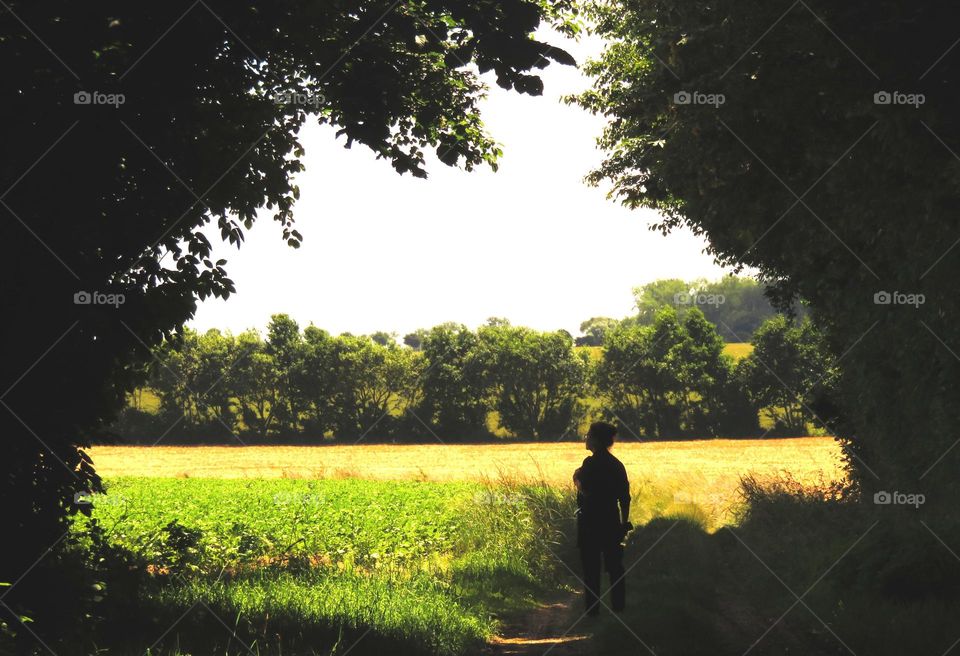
(603, 511)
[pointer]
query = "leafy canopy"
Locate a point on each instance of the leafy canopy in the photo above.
(131, 126)
(778, 134)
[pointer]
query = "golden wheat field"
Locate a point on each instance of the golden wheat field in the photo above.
(701, 473)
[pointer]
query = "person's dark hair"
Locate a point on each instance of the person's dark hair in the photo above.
(603, 433)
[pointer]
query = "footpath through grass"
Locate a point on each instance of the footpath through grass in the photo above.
(298, 566)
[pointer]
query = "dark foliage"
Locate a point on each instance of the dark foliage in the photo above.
(827, 160)
(131, 126)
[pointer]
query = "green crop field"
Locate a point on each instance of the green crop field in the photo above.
(423, 567)
(411, 549)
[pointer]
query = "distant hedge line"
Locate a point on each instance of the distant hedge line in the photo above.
(669, 379)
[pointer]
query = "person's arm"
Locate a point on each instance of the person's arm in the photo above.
(576, 484)
(624, 498)
(581, 477)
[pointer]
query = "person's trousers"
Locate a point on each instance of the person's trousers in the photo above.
(611, 558)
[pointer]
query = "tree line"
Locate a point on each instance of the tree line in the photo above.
(668, 379)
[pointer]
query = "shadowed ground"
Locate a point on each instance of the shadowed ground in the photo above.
(554, 628)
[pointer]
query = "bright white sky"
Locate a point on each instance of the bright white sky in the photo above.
(531, 243)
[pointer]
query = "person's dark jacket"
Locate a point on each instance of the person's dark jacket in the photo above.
(604, 490)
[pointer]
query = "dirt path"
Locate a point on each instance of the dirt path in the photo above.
(551, 628)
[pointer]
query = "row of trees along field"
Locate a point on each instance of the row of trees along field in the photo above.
(669, 379)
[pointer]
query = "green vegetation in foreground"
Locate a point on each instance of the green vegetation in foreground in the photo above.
(289, 565)
(323, 567)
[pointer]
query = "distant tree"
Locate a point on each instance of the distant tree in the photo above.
(636, 381)
(255, 383)
(364, 395)
(735, 305)
(703, 370)
(374, 384)
(622, 396)
(455, 398)
(652, 297)
(739, 414)
(286, 348)
(177, 363)
(214, 400)
(787, 367)
(537, 380)
(407, 369)
(384, 338)
(188, 377)
(594, 329)
(317, 380)
(415, 339)
(718, 402)
(669, 379)
(745, 306)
